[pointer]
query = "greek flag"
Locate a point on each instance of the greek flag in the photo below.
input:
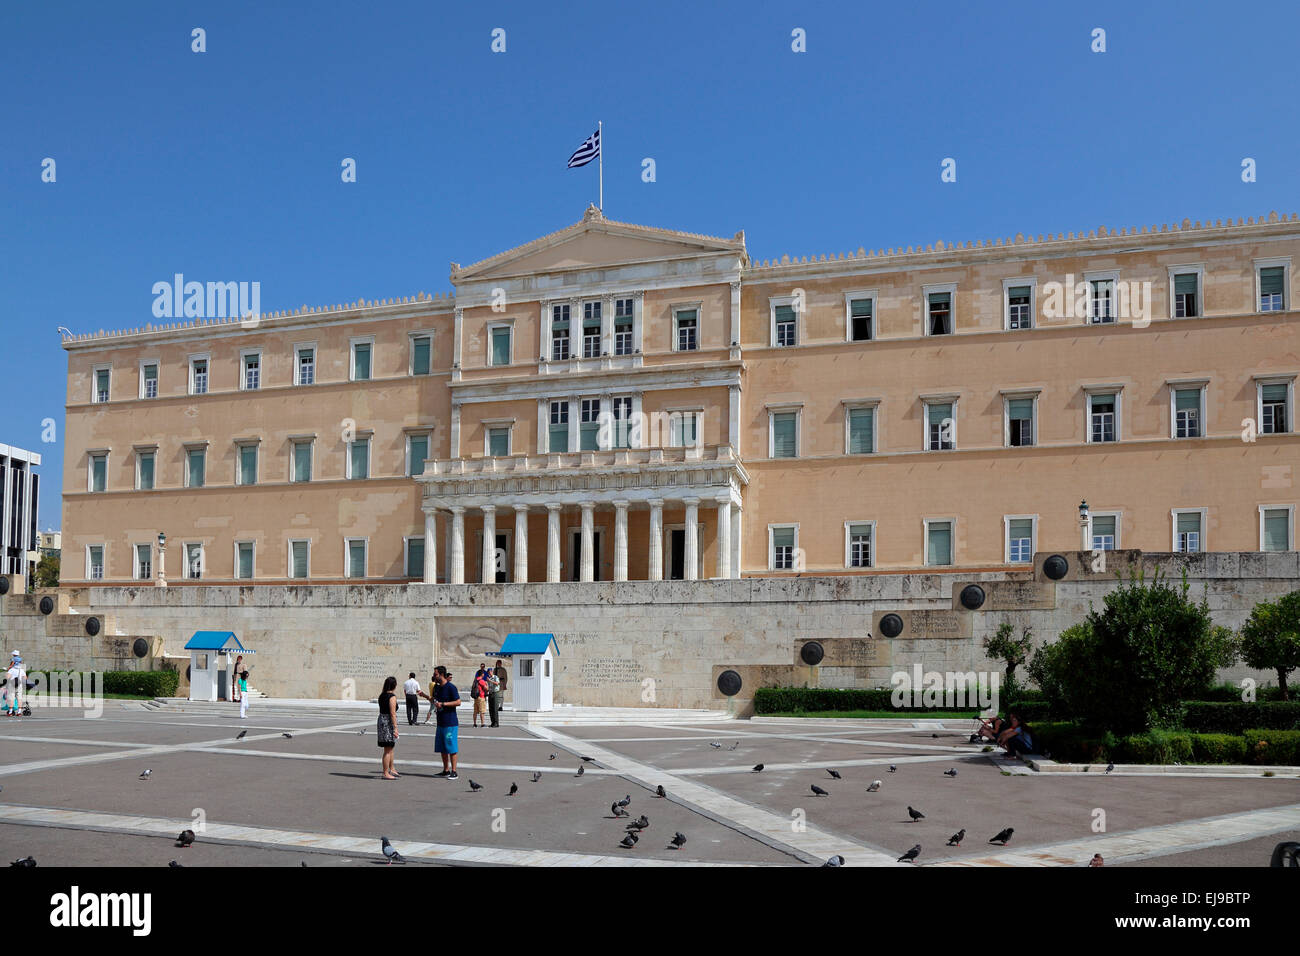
(586, 152)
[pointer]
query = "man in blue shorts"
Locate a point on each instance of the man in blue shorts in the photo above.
(446, 699)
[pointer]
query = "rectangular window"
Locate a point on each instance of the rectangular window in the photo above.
(1101, 300)
(940, 314)
(1020, 422)
(1274, 419)
(415, 557)
(95, 562)
(940, 431)
(1272, 292)
(195, 465)
(143, 562)
(1019, 300)
(248, 464)
(299, 554)
(356, 558)
(199, 376)
(1103, 532)
(1101, 414)
(684, 429)
(938, 540)
(783, 548)
(1185, 288)
(622, 326)
(786, 329)
(98, 472)
(589, 425)
(417, 450)
(558, 437)
(302, 461)
(421, 354)
(1276, 529)
(501, 345)
(252, 371)
(144, 463)
(860, 320)
(498, 442)
(687, 329)
(150, 389)
(862, 438)
(591, 318)
(785, 434)
(101, 385)
(306, 366)
(1187, 413)
(194, 561)
(359, 458)
(559, 333)
(360, 361)
(622, 422)
(859, 546)
(1020, 540)
(1188, 531)
(244, 559)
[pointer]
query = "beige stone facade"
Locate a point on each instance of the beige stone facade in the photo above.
(619, 402)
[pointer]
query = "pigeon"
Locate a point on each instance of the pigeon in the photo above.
(915, 814)
(146, 775)
(185, 838)
(626, 801)
(910, 855)
(893, 769)
(678, 840)
(242, 735)
(175, 865)
(27, 862)
(1003, 836)
(475, 787)
(836, 860)
(587, 759)
(758, 767)
(935, 736)
(956, 838)
(537, 775)
(551, 757)
(581, 771)
(715, 745)
(835, 774)
(819, 791)
(628, 841)
(660, 791)
(392, 854)
(361, 733)
(875, 785)
(734, 746)
(617, 811)
(514, 788)
(640, 823)
(950, 773)
(1110, 767)
(287, 736)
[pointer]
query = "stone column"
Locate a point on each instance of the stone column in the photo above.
(521, 544)
(588, 542)
(656, 539)
(456, 564)
(620, 541)
(692, 556)
(575, 410)
(553, 543)
(489, 575)
(735, 541)
(430, 548)
(724, 538)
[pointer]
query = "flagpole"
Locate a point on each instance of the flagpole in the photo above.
(600, 137)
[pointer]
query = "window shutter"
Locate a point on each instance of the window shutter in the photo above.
(421, 360)
(785, 313)
(860, 308)
(415, 558)
(302, 461)
(1103, 525)
(861, 427)
(419, 452)
(937, 413)
(248, 465)
(783, 435)
(940, 299)
(1275, 530)
(245, 561)
(1187, 399)
(941, 543)
(357, 559)
(1018, 292)
(1021, 528)
(1270, 280)
(1189, 522)
(783, 537)
(1020, 408)
(146, 471)
(1185, 284)
(300, 559)
(359, 450)
(1273, 393)
(500, 346)
(362, 362)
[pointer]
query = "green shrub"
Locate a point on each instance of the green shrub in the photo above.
(1218, 748)
(1270, 638)
(1231, 693)
(1275, 747)
(1154, 747)
(773, 700)
(1031, 711)
(136, 683)
(1236, 717)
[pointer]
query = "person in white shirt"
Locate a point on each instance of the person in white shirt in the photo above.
(412, 691)
(16, 684)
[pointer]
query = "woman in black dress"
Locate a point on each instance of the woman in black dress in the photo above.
(387, 726)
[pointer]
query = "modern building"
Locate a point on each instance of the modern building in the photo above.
(19, 503)
(615, 401)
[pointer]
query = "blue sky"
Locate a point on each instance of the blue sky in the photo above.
(225, 165)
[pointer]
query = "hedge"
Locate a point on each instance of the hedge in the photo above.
(136, 683)
(1231, 693)
(1273, 747)
(1236, 717)
(772, 700)
(1068, 743)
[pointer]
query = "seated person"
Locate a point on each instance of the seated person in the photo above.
(989, 728)
(1017, 739)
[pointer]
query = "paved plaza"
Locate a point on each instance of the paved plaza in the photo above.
(72, 795)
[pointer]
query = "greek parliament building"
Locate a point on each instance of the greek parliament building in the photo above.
(620, 402)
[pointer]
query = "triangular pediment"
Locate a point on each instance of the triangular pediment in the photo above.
(595, 242)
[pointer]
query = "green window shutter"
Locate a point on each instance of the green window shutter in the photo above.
(99, 475)
(360, 459)
(415, 558)
(1187, 399)
(1275, 530)
(860, 308)
(357, 559)
(783, 537)
(302, 461)
(784, 435)
(146, 471)
(300, 559)
(1273, 393)
(587, 436)
(1020, 408)
(498, 442)
(938, 413)
(248, 465)
(941, 543)
(422, 360)
(1103, 525)
(419, 452)
(559, 438)
(361, 362)
(245, 560)
(196, 469)
(101, 385)
(940, 299)
(1270, 280)
(1018, 292)
(861, 427)
(1021, 528)
(500, 346)
(1189, 522)
(1185, 284)
(785, 313)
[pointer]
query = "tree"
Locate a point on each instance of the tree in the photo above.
(1012, 651)
(47, 571)
(1270, 638)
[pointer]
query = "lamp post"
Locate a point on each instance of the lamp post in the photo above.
(1085, 527)
(162, 560)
